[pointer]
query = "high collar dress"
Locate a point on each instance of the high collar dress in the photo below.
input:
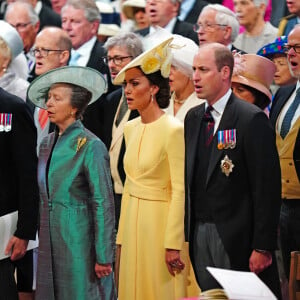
(76, 217)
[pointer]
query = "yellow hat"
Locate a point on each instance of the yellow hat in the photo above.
(159, 57)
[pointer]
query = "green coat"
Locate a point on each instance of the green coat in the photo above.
(76, 217)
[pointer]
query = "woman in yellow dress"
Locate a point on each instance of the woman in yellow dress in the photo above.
(151, 227)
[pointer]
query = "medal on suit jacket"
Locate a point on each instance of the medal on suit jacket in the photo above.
(226, 165)
(5, 122)
(226, 139)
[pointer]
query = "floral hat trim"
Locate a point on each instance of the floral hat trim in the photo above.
(157, 58)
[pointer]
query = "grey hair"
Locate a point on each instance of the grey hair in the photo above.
(33, 17)
(129, 40)
(226, 17)
(91, 11)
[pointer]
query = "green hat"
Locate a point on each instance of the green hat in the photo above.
(87, 78)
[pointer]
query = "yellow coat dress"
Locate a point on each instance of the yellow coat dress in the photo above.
(152, 213)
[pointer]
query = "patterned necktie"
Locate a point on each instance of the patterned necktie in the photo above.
(43, 117)
(209, 124)
(287, 120)
(74, 59)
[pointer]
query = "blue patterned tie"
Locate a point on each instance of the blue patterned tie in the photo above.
(287, 120)
(74, 58)
(210, 125)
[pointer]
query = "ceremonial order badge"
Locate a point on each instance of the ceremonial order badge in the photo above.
(226, 165)
(5, 122)
(226, 139)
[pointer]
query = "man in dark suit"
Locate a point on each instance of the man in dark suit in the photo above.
(288, 22)
(285, 117)
(164, 14)
(81, 19)
(18, 180)
(121, 49)
(232, 177)
(47, 16)
(190, 10)
(211, 30)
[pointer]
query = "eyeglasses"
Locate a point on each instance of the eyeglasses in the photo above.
(21, 26)
(207, 26)
(118, 60)
(43, 52)
(287, 48)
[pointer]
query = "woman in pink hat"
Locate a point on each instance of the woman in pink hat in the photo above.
(251, 79)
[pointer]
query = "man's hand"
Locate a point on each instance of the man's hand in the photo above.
(259, 261)
(17, 247)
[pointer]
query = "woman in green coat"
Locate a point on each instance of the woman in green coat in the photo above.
(76, 211)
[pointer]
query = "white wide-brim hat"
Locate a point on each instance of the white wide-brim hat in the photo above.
(109, 29)
(12, 38)
(85, 77)
(128, 5)
(158, 57)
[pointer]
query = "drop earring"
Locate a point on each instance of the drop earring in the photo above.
(152, 98)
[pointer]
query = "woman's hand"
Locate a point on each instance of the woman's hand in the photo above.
(173, 261)
(102, 270)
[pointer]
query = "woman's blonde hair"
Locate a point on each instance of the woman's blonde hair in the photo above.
(4, 49)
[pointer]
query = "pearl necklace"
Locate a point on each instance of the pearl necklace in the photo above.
(178, 101)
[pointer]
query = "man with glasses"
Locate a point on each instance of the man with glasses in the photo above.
(217, 24)
(285, 117)
(163, 13)
(121, 50)
(51, 50)
(22, 16)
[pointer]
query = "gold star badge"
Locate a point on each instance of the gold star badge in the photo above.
(226, 165)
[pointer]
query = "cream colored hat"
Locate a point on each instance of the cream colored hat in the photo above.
(183, 51)
(12, 38)
(159, 57)
(88, 78)
(254, 71)
(128, 5)
(109, 29)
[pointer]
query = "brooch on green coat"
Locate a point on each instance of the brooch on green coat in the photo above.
(80, 143)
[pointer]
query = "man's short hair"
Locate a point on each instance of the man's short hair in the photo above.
(91, 11)
(33, 16)
(130, 41)
(223, 57)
